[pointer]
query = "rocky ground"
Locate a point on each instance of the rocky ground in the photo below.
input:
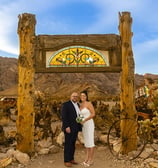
(102, 159)
(51, 156)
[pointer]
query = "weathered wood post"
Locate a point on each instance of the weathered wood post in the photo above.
(127, 103)
(25, 119)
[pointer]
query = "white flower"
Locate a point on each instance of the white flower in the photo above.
(79, 118)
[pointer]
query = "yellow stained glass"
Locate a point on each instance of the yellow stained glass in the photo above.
(77, 56)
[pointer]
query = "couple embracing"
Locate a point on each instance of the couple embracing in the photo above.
(70, 112)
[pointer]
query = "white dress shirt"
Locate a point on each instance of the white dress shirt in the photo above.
(76, 108)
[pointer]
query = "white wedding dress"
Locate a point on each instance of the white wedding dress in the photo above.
(88, 129)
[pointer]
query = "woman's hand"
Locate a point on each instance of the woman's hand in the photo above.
(83, 121)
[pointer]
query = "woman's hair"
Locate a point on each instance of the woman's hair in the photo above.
(85, 92)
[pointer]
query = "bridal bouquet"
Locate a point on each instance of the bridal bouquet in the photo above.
(79, 118)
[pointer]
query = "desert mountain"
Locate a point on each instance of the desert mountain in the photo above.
(62, 84)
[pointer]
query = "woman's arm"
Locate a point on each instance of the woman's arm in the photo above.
(92, 112)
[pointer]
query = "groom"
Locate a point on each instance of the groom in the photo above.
(70, 127)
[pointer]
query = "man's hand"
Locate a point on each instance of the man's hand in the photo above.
(68, 130)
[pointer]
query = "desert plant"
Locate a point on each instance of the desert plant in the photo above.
(150, 126)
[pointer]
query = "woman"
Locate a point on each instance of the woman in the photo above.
(88, 112)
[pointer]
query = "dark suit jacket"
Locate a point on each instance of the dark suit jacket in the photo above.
(68, 114)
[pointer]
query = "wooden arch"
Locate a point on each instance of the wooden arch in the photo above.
(35, 54)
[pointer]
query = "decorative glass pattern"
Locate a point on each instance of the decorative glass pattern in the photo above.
(77, 56)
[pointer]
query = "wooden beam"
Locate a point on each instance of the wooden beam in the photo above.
(127, 100)
(25, 119)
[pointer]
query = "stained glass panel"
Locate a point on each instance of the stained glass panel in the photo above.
(78, 56)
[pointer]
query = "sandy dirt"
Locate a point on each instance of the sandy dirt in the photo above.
(102, 159)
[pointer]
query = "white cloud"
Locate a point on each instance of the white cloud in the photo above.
(108, 18)
(144, 50)
(144, 14)
(6, 29)
(146, 68)
(9, 12)
(146, 56)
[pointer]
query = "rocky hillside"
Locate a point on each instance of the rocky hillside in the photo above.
(8, 72)
(62, 84)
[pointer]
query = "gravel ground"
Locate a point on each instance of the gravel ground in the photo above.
(102, 159)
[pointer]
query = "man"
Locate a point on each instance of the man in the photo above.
(70, 128)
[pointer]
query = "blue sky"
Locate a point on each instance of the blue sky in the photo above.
(85, 17)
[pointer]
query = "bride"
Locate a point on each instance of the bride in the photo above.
(88, 112)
